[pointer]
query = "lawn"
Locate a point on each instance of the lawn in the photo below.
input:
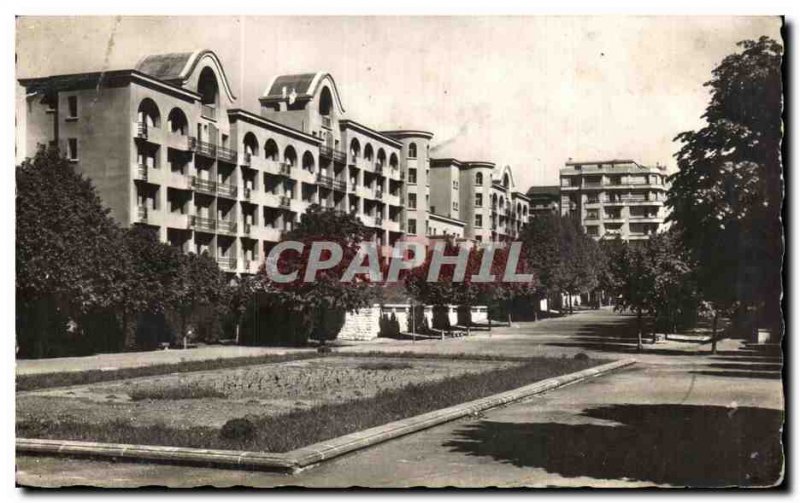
(272, 407)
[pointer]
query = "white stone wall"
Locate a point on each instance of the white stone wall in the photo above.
(364, 324)
(480, 314)
(361, 325)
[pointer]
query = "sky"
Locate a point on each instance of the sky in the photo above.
(528, 92)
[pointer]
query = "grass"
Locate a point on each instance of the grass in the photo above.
(58, 379)
(304, 427)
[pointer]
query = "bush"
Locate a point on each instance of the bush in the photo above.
(385, 366)
(175, 393)
(240, 429)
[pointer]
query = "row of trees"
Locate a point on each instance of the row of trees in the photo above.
(83, 284)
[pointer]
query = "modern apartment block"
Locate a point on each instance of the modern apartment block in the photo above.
(167, 146)
(615, 198)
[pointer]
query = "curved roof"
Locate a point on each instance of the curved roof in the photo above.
(301, 86)
(176, 67)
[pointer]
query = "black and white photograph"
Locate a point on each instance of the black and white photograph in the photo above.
(399, 251)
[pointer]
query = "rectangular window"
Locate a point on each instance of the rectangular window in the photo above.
(412, 175)
(478, 200)
(412, 201)
(72, 107)
(412, 226)
(72, 149)
(455, 206)
(478, 220)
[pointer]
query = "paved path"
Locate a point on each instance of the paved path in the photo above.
(143, 359)
(678, 418)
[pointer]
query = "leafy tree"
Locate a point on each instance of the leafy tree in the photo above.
(634, 282)
(674, 294)
(653, 278)
(200, 289)
(318, 305)
(726, 198)
(67, 249)
(150, 285)
(563, 257)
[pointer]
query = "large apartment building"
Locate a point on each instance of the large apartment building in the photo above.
(167, 146)
(615, 198)
(474, 193)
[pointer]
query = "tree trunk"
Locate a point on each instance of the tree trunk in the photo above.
(129, 342)
(714, 333)
(639, 332)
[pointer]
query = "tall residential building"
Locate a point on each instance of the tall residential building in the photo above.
(615, 198)
(473, 192)
(168, 146)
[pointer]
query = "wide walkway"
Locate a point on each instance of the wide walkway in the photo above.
(678, 418)
(114, 361)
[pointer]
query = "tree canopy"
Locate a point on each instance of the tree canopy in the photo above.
(726, 198)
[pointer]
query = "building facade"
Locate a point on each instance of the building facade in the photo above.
(167, 146)
(474, 193)
(544, 200)
(615, 198)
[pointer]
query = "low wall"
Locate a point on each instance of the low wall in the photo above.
(361, 325)
(366, 324)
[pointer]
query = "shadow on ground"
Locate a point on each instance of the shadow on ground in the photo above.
(681, 445)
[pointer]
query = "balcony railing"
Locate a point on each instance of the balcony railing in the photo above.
(326, 121)
(141, 172)
(142, 213)
(285, 169)
(248, 192)
(332, 183)
(209, 112)
(205, 149)
(141, 129)
(247, 228)
(247, 159)
(227, 190)
(227, 155)
(378, 221)
(285, 202)
(227, 226)
(212, 151)
(378, 168)
(206, 186)
(329, 152)
(203, 224)
(227, 263)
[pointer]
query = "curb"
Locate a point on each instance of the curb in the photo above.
(298, 459)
